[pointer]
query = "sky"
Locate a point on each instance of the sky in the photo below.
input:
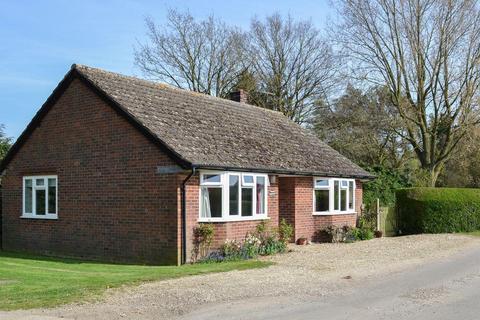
(40, 40)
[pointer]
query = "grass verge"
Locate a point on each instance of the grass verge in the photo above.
(473, 233)
(28, 281)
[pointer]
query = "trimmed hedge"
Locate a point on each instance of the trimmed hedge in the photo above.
(438, 210)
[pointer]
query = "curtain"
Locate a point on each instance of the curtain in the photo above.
(206, 212)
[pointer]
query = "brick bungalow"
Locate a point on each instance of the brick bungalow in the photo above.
(122, 169)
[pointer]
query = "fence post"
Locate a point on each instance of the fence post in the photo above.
(378, 213)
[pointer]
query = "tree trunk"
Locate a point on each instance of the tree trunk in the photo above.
(434, 172)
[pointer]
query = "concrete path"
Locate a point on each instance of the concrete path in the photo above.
(444, 289)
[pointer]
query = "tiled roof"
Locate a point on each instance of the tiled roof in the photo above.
(210, 132)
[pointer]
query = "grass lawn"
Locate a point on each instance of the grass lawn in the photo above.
(474, 233)
(28, 281)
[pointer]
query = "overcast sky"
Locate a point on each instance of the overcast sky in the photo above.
(40, 40)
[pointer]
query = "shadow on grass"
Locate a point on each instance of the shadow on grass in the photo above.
(59, 259)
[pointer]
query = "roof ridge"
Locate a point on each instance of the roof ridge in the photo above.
(79, 67)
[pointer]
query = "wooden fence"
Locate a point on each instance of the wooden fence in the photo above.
(386, 220)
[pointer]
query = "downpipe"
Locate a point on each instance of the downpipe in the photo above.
(184, 215)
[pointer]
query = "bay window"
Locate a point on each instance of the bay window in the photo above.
(233, 196)
(333, 196)
(40, 197)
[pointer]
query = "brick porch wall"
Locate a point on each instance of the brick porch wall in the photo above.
(296, 206)
(233, 230)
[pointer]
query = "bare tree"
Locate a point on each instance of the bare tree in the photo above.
(292, 64)
(427, 52)
(202, 56)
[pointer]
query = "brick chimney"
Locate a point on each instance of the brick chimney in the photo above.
(239, 96)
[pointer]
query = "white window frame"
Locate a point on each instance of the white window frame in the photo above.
(33, 215)
(225, 185)
(331, 189)
(206, 183)
(248, 184)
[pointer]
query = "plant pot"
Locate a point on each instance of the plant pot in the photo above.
(302, 241)
(378, 234)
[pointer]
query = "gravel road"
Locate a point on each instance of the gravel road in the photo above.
(318, 272)
(442, 289)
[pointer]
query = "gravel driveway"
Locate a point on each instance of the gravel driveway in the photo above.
(308, 271)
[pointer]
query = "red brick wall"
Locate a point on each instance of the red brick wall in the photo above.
(234, 230)
(296, 206)
(112, 205)
(286, 204)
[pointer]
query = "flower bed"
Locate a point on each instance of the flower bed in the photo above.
(264, 241)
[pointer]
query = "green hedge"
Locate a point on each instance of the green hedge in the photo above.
(438, 210)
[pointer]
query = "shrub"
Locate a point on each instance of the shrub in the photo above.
(337, 234)
(384, 185)
(202, 241)
(438, 210)
(334, 234)
(368, 220)
(271, 245)
(270, 239)
(285, 232)
(231, 250)
(262, 230)
(251, 246)
(359, 234)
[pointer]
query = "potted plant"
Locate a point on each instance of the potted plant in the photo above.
(302, 241)
(378, 233)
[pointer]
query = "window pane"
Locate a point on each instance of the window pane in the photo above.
(350, 196)
(248, 179)
(321, 183)
(52, 196)
(40, 182)
(28, 196)
(211, 178)
(344, 184)
(343, 200)
(211, 202)
(233, 183)
(260, 195)
(335, 195)
(40, 201)
(247, 199)
(321, 200)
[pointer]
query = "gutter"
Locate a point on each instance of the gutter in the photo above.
(184, 216)
(286, 172)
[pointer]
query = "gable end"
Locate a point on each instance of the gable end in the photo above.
(58, 92)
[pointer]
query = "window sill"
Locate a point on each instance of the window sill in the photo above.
(231, 219)
(52, 217)
(333, 213)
